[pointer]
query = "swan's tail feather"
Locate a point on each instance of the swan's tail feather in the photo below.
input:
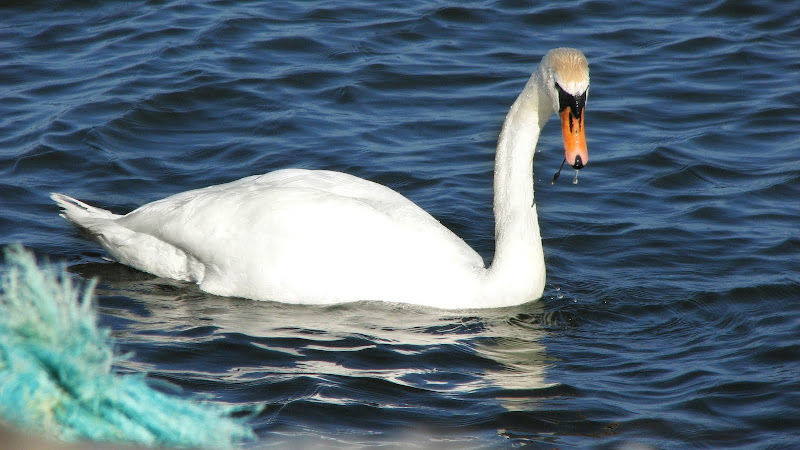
(82, 215)
(133, 248)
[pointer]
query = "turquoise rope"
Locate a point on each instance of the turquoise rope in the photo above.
(56, 374)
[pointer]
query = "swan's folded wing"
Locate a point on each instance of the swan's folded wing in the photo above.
(211, 222)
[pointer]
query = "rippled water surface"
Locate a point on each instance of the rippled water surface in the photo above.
(671, 315)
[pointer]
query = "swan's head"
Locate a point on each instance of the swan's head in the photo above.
(565, 74)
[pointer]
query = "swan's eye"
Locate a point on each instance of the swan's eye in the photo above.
(576, 103)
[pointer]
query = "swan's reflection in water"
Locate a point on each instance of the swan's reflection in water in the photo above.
(410, 360)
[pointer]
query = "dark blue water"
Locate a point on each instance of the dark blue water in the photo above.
(671, 316)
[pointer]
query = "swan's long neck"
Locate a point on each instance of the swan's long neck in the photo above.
(518, 266)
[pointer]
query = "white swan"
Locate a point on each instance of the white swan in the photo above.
(322, 237)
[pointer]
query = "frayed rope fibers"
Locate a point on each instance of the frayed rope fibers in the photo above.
(56, 376)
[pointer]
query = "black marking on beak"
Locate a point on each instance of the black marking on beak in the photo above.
(575, 103)
(578, 163)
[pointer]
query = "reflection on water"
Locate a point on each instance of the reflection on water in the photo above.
(489, 358)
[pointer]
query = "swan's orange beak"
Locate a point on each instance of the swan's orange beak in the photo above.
(574, 139)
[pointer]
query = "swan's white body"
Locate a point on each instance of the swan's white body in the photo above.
(322, 237)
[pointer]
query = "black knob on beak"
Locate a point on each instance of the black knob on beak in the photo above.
(578, 163)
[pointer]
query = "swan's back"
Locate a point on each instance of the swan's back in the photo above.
(301, 236)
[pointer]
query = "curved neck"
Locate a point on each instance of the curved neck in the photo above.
(517, 270)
